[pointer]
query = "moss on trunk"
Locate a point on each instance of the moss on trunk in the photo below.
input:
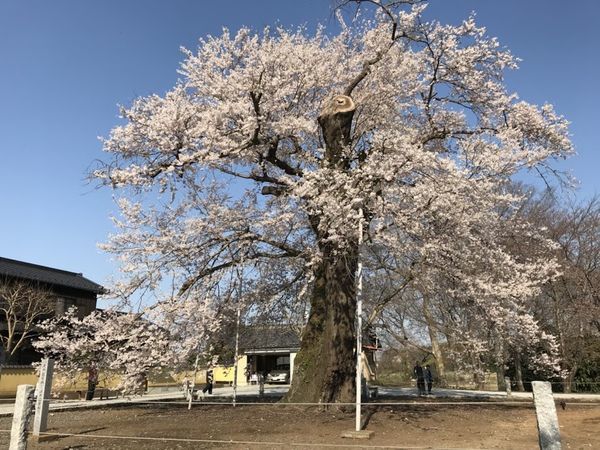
(324, 369)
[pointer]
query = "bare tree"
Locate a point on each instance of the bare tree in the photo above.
(22, 306)
(569, 305)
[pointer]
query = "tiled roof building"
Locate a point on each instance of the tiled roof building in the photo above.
(48, 275)
(68, 289)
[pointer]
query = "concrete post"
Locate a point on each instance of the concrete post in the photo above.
(261, 385)
(22, 412)
(507, 385)
(547, 420)
(42, 402)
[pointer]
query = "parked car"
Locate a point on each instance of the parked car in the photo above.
(281, 374)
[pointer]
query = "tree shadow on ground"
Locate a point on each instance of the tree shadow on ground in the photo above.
(57, 436)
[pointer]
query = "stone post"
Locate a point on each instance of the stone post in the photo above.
(261, 385)
(507, 385)
(42, 402)
(547, 420)
(22, 412)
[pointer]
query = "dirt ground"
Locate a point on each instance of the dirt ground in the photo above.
(430, 425)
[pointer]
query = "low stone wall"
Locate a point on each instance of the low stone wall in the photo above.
(69, 388)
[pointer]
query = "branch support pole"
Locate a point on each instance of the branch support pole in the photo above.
(237, 332)
(191, 386)
(237, 347)
(359, 323)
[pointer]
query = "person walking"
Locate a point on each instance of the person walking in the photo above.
(248, 372)
(428, 379)
(209, 382)
(92, 382)
(418, 373)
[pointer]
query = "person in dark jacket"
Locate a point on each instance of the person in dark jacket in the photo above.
(209, 382)
(418, 373)
(92, 382)
(428, 379)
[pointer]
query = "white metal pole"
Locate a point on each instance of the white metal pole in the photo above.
(359, 322)
(193, 384)
(237, 339)
(237, 334)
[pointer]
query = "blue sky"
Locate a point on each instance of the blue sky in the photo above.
(65, 65)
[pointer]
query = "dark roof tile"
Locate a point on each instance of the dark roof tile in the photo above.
(269, 337)
(43, 274)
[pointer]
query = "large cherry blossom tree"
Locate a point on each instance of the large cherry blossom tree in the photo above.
(263, 159)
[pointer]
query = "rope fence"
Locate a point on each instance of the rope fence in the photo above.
(364, 405)
(370, 407)
(240, 442)
(407, 384)
(228, 401)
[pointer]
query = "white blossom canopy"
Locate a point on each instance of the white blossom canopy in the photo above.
(230, 167)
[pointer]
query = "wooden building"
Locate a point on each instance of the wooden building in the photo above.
(66, 289)
(272, 349)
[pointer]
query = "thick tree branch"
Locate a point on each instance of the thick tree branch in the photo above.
(272, 158)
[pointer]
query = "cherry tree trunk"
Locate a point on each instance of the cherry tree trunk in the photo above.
(500, 374)
(568, 379)
(519, 372)
(324, 368)
(436, 349)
